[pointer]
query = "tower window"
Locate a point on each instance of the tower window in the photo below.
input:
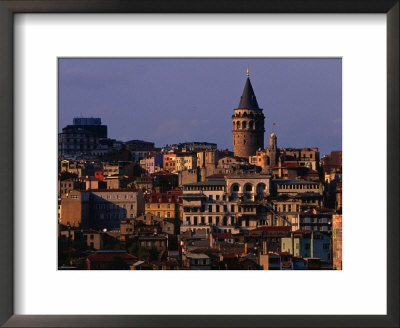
(244, 125)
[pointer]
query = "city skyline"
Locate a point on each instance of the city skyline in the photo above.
(170, 101)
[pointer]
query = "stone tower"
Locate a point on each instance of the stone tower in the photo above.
(248, 123)
(272, 149)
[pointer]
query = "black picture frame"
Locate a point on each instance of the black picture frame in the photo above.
(10, 7)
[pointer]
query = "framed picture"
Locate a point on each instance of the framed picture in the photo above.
(34, 293)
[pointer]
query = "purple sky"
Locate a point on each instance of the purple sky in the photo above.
(177, 100)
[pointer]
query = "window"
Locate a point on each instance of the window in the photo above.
(210, 197)
(307, 246)
(232, 208)
(169, 205)
(168, 214)
(92, 237)
(217, 197)
(131, 206)
(210, 208)
(216, 208)
(210, 219)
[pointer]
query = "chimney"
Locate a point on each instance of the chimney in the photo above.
(291, 235)
(264, 247)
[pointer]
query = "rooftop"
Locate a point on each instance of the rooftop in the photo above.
(102, 256)
(206, 183)
(248, 99)
(197, 256)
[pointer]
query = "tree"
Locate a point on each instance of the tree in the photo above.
(118, 264)
(153, 254)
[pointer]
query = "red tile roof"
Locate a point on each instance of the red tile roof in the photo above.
(115, 190)
(287, 165)
(302, 232)
(165, 197)
(222, 235)
(144, 177)
(68, 251)
(109, 257)
(168, 263)
(202, 250)
(216, 176)
(273, 228)
(284, 253)
(162, 173)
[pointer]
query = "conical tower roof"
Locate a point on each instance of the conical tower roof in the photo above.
(248, 99)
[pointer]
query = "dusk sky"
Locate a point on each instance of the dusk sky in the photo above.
(169, 101)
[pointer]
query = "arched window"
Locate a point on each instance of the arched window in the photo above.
(237, 125)
(233, 126)
(235, 187)
(261, 188)
(251, 125)
(248, 187)
(244, 125)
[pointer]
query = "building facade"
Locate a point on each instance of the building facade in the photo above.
(81, 137)
(164, 205)
(101, 209)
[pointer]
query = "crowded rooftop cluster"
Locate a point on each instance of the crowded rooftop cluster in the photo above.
(191, 206)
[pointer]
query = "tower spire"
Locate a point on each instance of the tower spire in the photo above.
(248, 99)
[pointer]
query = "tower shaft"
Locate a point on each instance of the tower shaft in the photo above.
(247, 124)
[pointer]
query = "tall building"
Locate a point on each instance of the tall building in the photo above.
(248, 123)
(81, 137)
